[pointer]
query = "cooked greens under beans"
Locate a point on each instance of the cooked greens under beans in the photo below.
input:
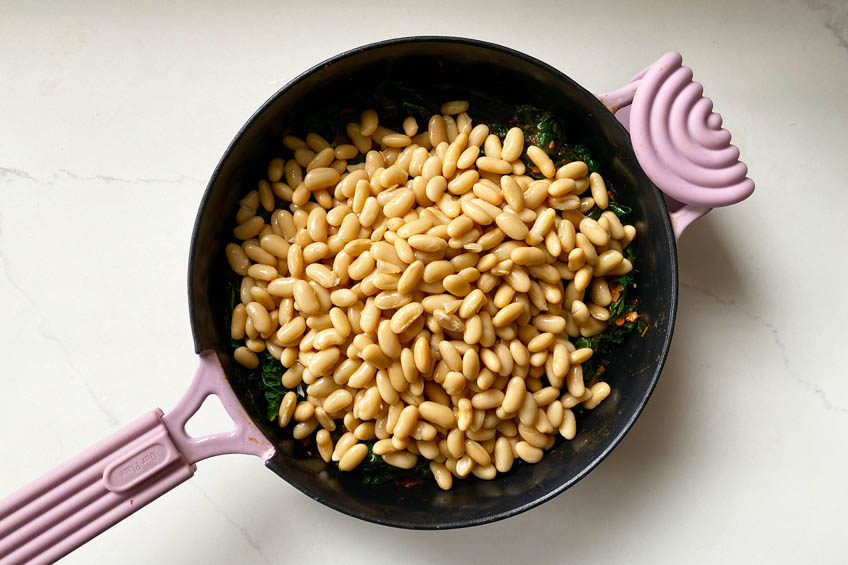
(434, 298)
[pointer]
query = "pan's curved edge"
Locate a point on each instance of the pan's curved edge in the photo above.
(669, 238)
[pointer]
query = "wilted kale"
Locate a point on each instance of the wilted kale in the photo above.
(272, 383)
(547, 131)
(624, 318)
(541, 128)
(619, 209)
(395, 101)
(498, 129)
(580, 152)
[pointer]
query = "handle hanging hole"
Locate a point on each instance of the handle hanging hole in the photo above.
(211, 418)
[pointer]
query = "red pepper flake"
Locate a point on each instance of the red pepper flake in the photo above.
(631, 316)
(551, 145)
(345, 111)
(619, 322)
(615, 292)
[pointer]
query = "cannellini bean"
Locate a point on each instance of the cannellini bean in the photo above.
(246, 358)
(599, 392)
(528, 453)
(541, 160)
(512, 225)
(599, 191)
(491, 164)
(573, 170)
(508, 314)
(568, 427)
(454, 107)
(353, 456)
(443, 477)
(513, 144)
(437, 414)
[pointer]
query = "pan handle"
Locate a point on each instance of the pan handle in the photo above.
(679, 141)
(106, 483)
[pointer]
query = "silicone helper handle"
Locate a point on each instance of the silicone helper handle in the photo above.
(679, 142)
(106, 483)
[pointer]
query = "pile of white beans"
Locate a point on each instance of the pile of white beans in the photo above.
(424, 299)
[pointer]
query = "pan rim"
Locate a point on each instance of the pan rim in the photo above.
(601, 113)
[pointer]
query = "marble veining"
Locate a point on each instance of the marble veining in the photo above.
(13, 173)
(249, 538)
(836, 18)
(806, 383)
(45, 331)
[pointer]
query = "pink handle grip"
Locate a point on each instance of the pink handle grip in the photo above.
(679, 141)
(90, 493)
(106, 483)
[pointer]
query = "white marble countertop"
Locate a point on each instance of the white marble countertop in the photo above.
(113, 118)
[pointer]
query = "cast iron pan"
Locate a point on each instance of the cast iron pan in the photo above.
(144, 460)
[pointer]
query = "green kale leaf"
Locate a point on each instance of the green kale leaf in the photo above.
(619, 209)
(272, 383)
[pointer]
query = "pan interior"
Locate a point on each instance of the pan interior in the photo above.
(493, 79)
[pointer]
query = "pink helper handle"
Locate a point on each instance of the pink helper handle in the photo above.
(101, 486)
(679, 142)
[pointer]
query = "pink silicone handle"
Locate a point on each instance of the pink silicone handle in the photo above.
(679, 141)
(74, 503)
(103, 485)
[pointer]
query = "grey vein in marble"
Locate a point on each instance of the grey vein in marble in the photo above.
(14, 173)
(836, 18)
(248, 537)
(18, 173)
(45, 332)
(778, 342)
